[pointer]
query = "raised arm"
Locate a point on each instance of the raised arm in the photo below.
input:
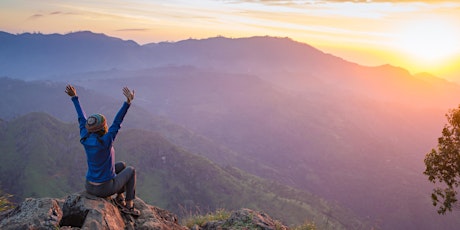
(70, 90)
(116, 125)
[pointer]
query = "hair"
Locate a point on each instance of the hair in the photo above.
(101, 132)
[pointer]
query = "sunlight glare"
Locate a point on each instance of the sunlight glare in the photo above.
(429, 41)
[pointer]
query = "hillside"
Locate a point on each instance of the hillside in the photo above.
(276, 108)
(20, 97)
(43, 158)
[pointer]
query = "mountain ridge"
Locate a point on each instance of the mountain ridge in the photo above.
(282, 61)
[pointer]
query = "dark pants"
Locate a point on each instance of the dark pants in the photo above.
(125, 180)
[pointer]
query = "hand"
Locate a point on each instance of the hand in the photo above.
(128, 94)
(70, 90)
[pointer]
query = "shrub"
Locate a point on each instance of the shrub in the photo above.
(305, 226)
(199, 220)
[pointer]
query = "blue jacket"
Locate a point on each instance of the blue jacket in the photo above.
(100, 154)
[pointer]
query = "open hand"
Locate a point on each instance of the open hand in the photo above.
(70, 90)
(128, 94)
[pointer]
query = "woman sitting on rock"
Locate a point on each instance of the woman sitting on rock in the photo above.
(105, 177)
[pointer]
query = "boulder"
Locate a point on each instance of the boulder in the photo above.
(44, 213)
(152, 218)
(85, 211)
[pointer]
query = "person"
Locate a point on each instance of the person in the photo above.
(104, 177)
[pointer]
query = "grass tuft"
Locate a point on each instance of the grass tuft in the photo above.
(200, 220)
(5, 203)
(305, 226)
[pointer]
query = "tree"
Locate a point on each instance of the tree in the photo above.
(443, 164)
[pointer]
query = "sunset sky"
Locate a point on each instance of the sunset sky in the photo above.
(417, 35)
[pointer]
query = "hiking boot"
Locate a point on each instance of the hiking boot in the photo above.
(132, 211)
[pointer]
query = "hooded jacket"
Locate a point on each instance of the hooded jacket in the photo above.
(100, 154)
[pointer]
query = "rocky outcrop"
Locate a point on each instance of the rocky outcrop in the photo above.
(44, 213)
(84, 211)
(244, 219)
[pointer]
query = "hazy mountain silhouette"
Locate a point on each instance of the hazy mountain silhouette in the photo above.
(34, 56)
(281, 109)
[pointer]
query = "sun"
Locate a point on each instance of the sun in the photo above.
(429, 41)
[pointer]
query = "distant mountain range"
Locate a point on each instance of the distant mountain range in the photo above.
(287, 63)
(273, 107)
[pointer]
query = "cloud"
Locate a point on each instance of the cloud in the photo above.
(35, 16)
(54, 13)
(132, 30)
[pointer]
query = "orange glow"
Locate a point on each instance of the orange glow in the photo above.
(431, 43)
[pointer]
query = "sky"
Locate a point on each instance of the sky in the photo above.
(421, 36)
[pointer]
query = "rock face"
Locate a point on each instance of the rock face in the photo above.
(42, 213)
(84, 211)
